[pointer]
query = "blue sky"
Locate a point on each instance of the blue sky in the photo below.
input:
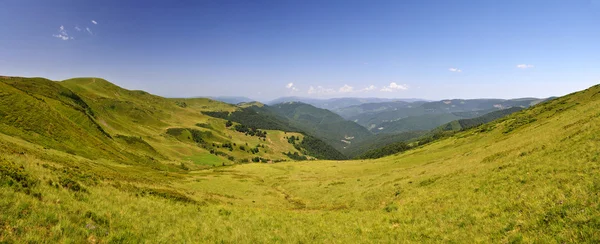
(268, 49)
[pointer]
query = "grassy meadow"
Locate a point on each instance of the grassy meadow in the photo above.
(530, 177)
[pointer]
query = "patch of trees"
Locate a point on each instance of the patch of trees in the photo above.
(255, 150)
(259, 159)
(255, 117)
(217, 114)
(181, 104)
(219, 153)
(251, 131)
(319, 149)
(386, 150)
(175, 131)
(204, 125)
(196, 135)
(227, 145)
(296, 156)
(292, 139)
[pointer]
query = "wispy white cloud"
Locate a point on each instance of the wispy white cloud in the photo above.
(94, 22)
(319, 90)
(89, 30)
(62, 34)
(455, 70)
(394, 87)
(525, 66)
(77, 28)
(369, 88)
(346, 89)
(291, 86)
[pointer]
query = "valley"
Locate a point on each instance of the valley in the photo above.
(85, 160)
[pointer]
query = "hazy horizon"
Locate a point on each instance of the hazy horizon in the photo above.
(411, 49)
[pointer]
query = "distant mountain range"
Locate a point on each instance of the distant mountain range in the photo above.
(398, 116)
(232, 100)
(354, 125)
(339, 103)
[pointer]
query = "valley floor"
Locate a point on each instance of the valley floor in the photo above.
(483, 188)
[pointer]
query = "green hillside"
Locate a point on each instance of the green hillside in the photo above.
(394, 117)
(379, 141)
(486, 118)
(324, 124)
(396, 144)
(96, 119)
(260, 116)
(374, 108)
(529, 177)
(421, 122)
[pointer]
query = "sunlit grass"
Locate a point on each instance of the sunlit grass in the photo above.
(514, 180)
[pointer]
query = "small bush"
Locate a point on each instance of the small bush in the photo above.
(16, 176)
(98, 219)
(184, 167)
(392, 207)
(71, 185)
(224, 212)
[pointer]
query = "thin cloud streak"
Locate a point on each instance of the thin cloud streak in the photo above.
(525, 66)
(62, 34)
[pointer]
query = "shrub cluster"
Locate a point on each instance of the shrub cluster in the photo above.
(296, 156)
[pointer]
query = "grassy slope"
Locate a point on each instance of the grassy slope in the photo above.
(421, 122)
(323, 124)
(486, 118)
(96, 119)
(529, 177)
(263, 117)
(379, 141)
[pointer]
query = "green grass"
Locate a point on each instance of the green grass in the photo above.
(207, 159)
(93, 118)
(529, 177)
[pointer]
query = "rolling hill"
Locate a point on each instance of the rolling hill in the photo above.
(411, 140)
(96, 119)
(340, 138)
(528, 177)
(256, 115)
(324, 124)
(462, 124)
(375, 107)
